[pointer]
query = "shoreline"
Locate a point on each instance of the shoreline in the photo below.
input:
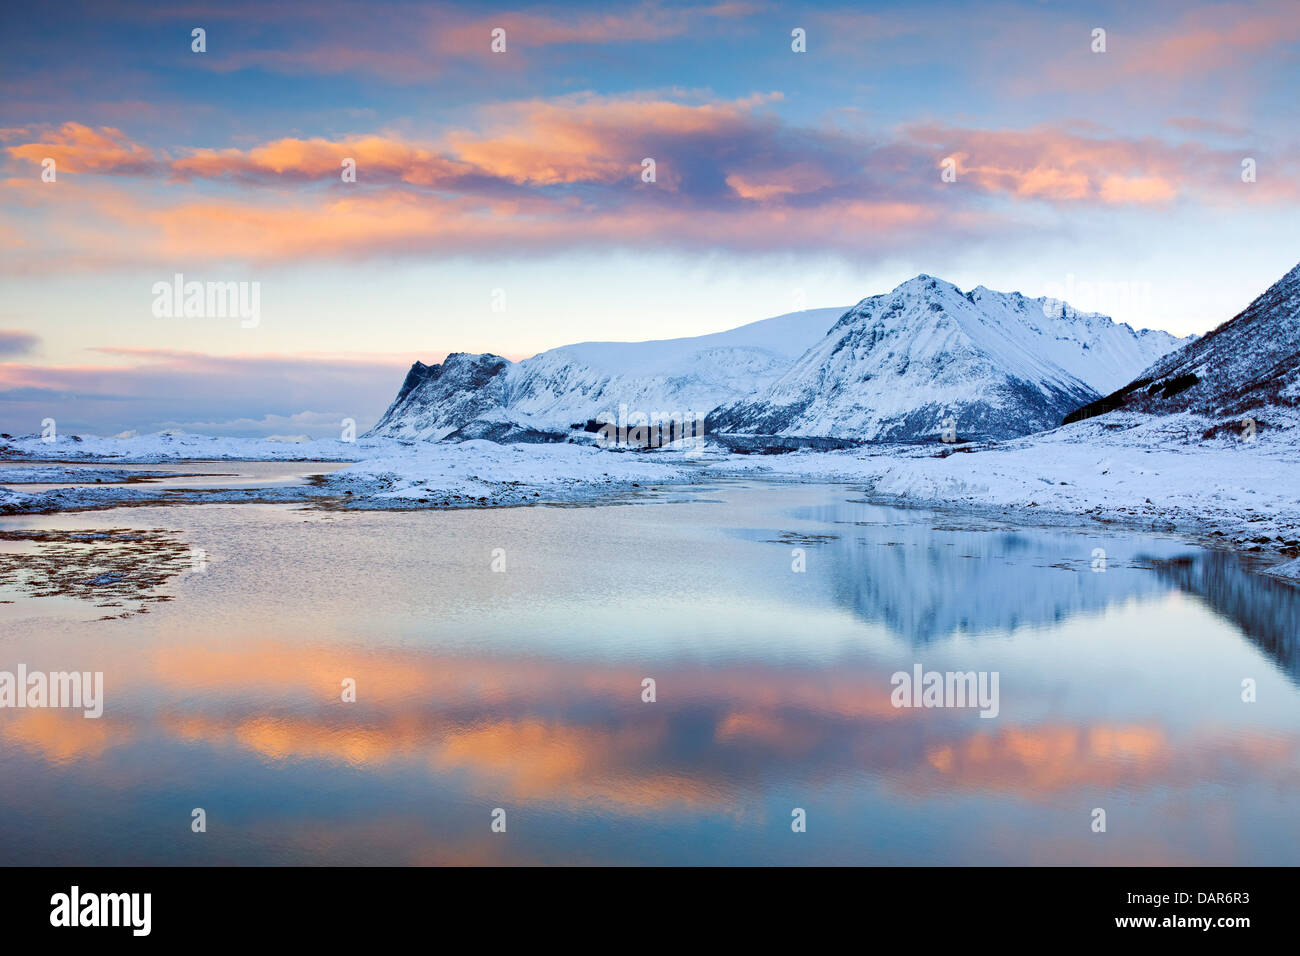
(1211, 528)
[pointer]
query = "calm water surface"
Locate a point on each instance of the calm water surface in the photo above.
(188, 474)
(521, 689)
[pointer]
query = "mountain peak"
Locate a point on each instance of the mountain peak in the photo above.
(924, 283)
(896, 366)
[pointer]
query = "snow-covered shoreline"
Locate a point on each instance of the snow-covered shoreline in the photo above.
(1125, 471)
(381, 474)
(1137, 472)
(177, 447)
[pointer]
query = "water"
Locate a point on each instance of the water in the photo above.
(521, 690)
(188, 474)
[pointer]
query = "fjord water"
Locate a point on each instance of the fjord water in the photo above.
(521, 689)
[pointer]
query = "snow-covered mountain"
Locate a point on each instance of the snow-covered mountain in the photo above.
(926, 356)
(435, 400)
(1247, 367)
(541, 398)
(896, 367)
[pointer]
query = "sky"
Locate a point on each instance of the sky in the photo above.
(502, 200)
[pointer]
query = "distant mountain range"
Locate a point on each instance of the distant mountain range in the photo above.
(897, 367)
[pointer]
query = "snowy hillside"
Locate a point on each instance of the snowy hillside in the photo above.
(897, 366)
(1249, 367)
(486, 396)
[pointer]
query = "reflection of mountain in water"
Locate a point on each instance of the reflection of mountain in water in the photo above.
(927, 583)
(1267, 611)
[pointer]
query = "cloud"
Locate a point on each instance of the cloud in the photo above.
(152, 389)
(17, 342)
(1136, 189)
(1059, 165)
(1205, 43)
(534, 176)
(418, 42)
(76, 148)
(1196, 124)
(536, 28)
(540, 175)
(379, 158)
(318, 424)
(1211, 39)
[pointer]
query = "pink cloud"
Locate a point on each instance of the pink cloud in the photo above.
(380, 158)
(1049, 163)
(83, 149)
(229, 394)
(1215, 38)
(1199, 42)
(535, 176)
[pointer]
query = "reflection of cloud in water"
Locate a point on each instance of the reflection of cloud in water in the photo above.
(59, 736)
(571, 734)
(462, 707)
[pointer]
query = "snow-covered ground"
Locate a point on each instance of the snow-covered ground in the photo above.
(40, 474)
(1289, 570)
(483, 472)
(1136, 471)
